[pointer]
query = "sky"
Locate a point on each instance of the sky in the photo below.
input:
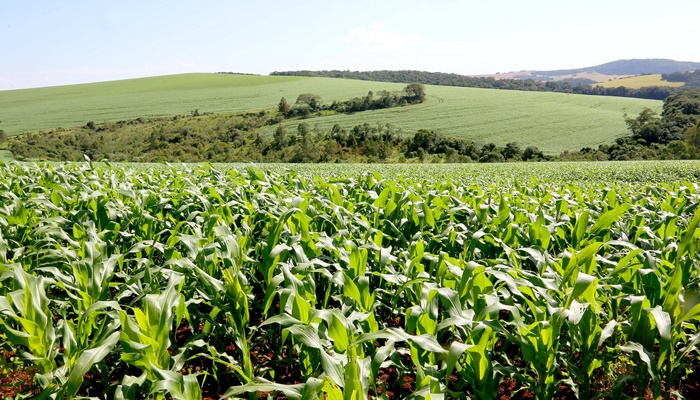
(49, 43)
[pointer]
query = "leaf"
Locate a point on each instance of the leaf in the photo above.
(663, 322)
(86, 360)
(585, 288)
(687, 241)
(644, 356)
(607, 219)
(453, 356)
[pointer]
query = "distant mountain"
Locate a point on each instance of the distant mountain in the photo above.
(629, 67)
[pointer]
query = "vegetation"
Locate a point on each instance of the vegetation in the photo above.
(631, 67)
(200, 283)
(640, 81)
(243, 137)
(576, 86)
(691, 78)
(669, 136)
(41, 109)
(549, 121)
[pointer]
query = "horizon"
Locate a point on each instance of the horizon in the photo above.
(81, 42)
(270, 74)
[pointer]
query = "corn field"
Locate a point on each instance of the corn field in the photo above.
(208, 283)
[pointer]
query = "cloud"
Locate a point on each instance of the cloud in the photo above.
(378, 40)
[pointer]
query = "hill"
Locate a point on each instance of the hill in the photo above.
(640, 81)
(629, 67)
(578, 84)
(553, 122)
(47, 108)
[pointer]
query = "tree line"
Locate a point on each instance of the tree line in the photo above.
(447, 79)
(691, 78)
(308, 103)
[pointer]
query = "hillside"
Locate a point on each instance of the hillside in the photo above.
(31, 110)
(629, 67)
(640, 81)
(553, 122)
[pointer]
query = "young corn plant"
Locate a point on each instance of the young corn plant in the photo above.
(146, 340)
(26, 320)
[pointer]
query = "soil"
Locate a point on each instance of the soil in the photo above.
(16, 379)
(391, 383)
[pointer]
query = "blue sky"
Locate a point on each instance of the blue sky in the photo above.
(46, 43)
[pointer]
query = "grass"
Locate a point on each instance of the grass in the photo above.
(554, 122)
(640, 81)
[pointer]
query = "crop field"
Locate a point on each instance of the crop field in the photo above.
(553, 122)
(74, 105)
(450, 282)
(639, 81)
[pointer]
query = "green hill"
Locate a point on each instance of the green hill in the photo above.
(30, 110)
(640, 81)
(551, 121)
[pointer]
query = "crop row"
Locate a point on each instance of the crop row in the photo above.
(206, 283)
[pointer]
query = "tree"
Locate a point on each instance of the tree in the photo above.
(279, 138)
(415, 92)
(646, 126)
(310, 99)
(532, 153)
(283, 107)
(512, 151)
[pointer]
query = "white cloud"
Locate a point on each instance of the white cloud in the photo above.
(378, 40)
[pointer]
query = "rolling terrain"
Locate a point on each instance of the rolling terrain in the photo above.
(640, 81)
(613, 70)
(554, 122)
(630, 67)
(31, 110)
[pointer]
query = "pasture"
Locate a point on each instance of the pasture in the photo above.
(639, 81)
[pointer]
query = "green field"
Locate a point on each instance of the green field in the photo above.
(511, 281)
(67, 106)
(5, 155)
(551, 121)
(639, 81)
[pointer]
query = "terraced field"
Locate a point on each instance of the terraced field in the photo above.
(551, 121)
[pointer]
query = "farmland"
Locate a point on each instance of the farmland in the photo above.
(452, 281)
(553, 122)
(639, 81)
(68, 106)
